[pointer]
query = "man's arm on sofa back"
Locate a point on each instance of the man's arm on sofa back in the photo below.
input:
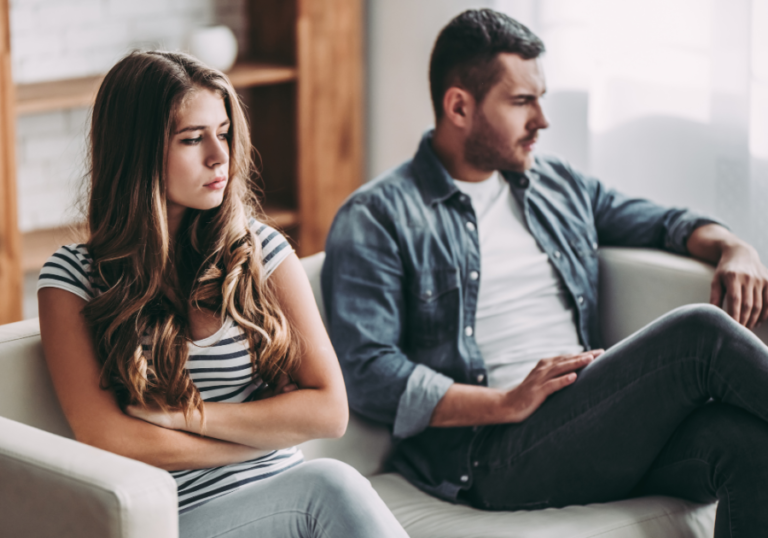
(639, 285)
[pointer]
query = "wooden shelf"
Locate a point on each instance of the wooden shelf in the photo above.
(281, 218)
(81, 92)
(250, 74)
(38, 245)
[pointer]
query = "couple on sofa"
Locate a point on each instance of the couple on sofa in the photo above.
(460, 291)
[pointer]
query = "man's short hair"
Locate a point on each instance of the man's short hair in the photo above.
(465, 53)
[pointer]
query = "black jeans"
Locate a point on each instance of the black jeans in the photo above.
(679, 408)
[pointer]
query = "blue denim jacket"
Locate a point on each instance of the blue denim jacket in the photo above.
(401, 306)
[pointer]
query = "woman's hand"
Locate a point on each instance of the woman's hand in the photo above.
(283, 385)
(172, 420)
(175, 420)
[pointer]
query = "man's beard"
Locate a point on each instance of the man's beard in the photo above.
(485, 149)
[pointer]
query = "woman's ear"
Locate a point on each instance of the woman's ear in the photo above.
(458, 107)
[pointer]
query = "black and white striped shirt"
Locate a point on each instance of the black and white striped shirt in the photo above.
(219, 366)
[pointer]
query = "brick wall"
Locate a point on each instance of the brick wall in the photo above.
(56, 39)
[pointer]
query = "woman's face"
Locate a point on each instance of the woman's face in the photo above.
(198, 155)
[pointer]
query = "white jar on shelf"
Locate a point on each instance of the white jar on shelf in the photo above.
(215, 46)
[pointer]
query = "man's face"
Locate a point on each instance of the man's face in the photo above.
(506, 123)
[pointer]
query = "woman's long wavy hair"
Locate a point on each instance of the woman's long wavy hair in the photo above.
(149, 280)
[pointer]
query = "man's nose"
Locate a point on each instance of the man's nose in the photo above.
(540, 119)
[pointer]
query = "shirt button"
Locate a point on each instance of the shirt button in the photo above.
(581, 299)
(475, 464)
(594, 246)
(556, 254)
(474, 275)
(464, 478)
(523, 182)
(468, 331)
(471, 226)
(480, 378)
(428, 293)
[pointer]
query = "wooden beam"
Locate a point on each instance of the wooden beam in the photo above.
(10, 241)
(331, 136)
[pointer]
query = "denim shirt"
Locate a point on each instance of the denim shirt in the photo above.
(401, 305)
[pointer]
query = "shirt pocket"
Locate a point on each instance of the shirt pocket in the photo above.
(584, 245)
(433, 308)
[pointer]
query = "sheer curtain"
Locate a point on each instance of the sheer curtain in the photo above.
(666, 99)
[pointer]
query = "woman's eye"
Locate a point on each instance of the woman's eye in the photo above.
(224, 136)
(192, 141)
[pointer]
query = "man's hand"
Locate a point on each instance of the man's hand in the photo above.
(740, 284)
(470, 405)
(546, 378)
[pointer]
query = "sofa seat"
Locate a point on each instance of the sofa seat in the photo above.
(424, 516)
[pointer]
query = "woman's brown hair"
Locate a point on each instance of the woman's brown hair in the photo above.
(149, 281)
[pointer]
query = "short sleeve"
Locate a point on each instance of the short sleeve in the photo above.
(274, 247)
(69, 269)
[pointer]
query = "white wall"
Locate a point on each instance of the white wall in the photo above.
(400, 35)
(664, 99)
(55, 39)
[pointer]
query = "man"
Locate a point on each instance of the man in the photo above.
(461, 293)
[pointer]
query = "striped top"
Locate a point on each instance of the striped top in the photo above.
(219, 366)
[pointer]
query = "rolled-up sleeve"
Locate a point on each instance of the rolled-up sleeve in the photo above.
(362, 283)
(425, 388)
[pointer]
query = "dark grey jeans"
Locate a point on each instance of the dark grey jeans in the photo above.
(679, 408)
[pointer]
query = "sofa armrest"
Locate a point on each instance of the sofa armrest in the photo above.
(639, 285)
(57, 487)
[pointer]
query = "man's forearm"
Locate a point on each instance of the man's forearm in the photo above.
(708, 242)
(740, 283)
(468, 405)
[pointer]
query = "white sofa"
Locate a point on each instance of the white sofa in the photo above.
(51, 485)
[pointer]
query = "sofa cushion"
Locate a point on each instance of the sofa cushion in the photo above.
(424, 516)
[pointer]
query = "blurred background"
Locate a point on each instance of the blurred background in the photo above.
(665, 99)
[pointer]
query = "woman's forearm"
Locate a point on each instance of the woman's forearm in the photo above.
(281, 421)
(167, 449)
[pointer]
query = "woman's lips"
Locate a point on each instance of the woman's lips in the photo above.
(217, 183)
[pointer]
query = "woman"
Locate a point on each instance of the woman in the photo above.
(184, 333)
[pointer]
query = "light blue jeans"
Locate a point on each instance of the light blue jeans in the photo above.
(321, 498)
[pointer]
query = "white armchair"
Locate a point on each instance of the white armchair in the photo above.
(51, 485)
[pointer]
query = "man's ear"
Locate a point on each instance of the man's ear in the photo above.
(458, 106)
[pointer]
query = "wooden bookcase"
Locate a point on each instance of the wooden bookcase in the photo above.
(301, 79)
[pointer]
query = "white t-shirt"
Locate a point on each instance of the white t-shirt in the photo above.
(523, 312)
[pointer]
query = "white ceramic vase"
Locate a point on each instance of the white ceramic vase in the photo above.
(215, 46)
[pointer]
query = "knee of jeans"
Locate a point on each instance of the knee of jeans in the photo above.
(333, 477)
(703, 316)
